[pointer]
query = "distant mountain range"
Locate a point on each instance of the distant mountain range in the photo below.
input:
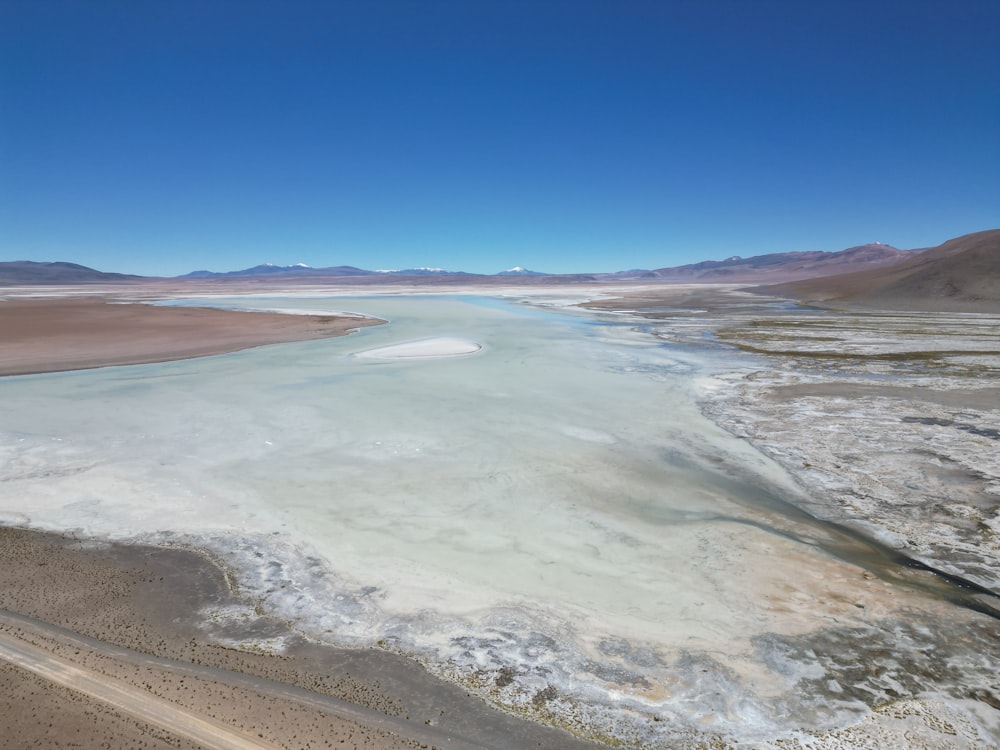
(760, 268)
(302, 270)
(270, 270)
(786, 266)
(774, 267)
(961, 274)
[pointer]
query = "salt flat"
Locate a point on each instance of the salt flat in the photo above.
(551, 522)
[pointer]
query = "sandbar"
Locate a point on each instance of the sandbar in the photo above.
(76, 333)
(434, 348)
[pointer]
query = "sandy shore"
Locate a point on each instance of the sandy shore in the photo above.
(75, 333)
(132, 619)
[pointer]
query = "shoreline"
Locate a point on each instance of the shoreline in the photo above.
(121, 604)
(64, 334)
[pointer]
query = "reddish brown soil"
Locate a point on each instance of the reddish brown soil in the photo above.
(74, 333)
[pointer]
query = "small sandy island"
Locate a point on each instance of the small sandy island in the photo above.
(76, 333)
(434, 348)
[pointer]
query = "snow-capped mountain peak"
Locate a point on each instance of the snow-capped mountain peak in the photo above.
(519, 271)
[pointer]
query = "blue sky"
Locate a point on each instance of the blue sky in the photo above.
(578, 135)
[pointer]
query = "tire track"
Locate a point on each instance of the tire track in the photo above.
(151, 709)
(209, 733)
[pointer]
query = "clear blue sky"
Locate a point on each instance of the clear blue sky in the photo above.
(159, 137)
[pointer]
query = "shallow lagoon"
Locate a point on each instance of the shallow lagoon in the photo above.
(549, 519)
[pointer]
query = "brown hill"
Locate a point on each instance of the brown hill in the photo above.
(961, 275)
(17, 272)
(775, 267)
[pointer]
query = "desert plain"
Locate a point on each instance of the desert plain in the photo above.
(879, 427)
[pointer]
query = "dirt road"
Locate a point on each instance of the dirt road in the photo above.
(59, 655)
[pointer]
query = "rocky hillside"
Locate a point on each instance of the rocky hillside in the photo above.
(960, 275)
